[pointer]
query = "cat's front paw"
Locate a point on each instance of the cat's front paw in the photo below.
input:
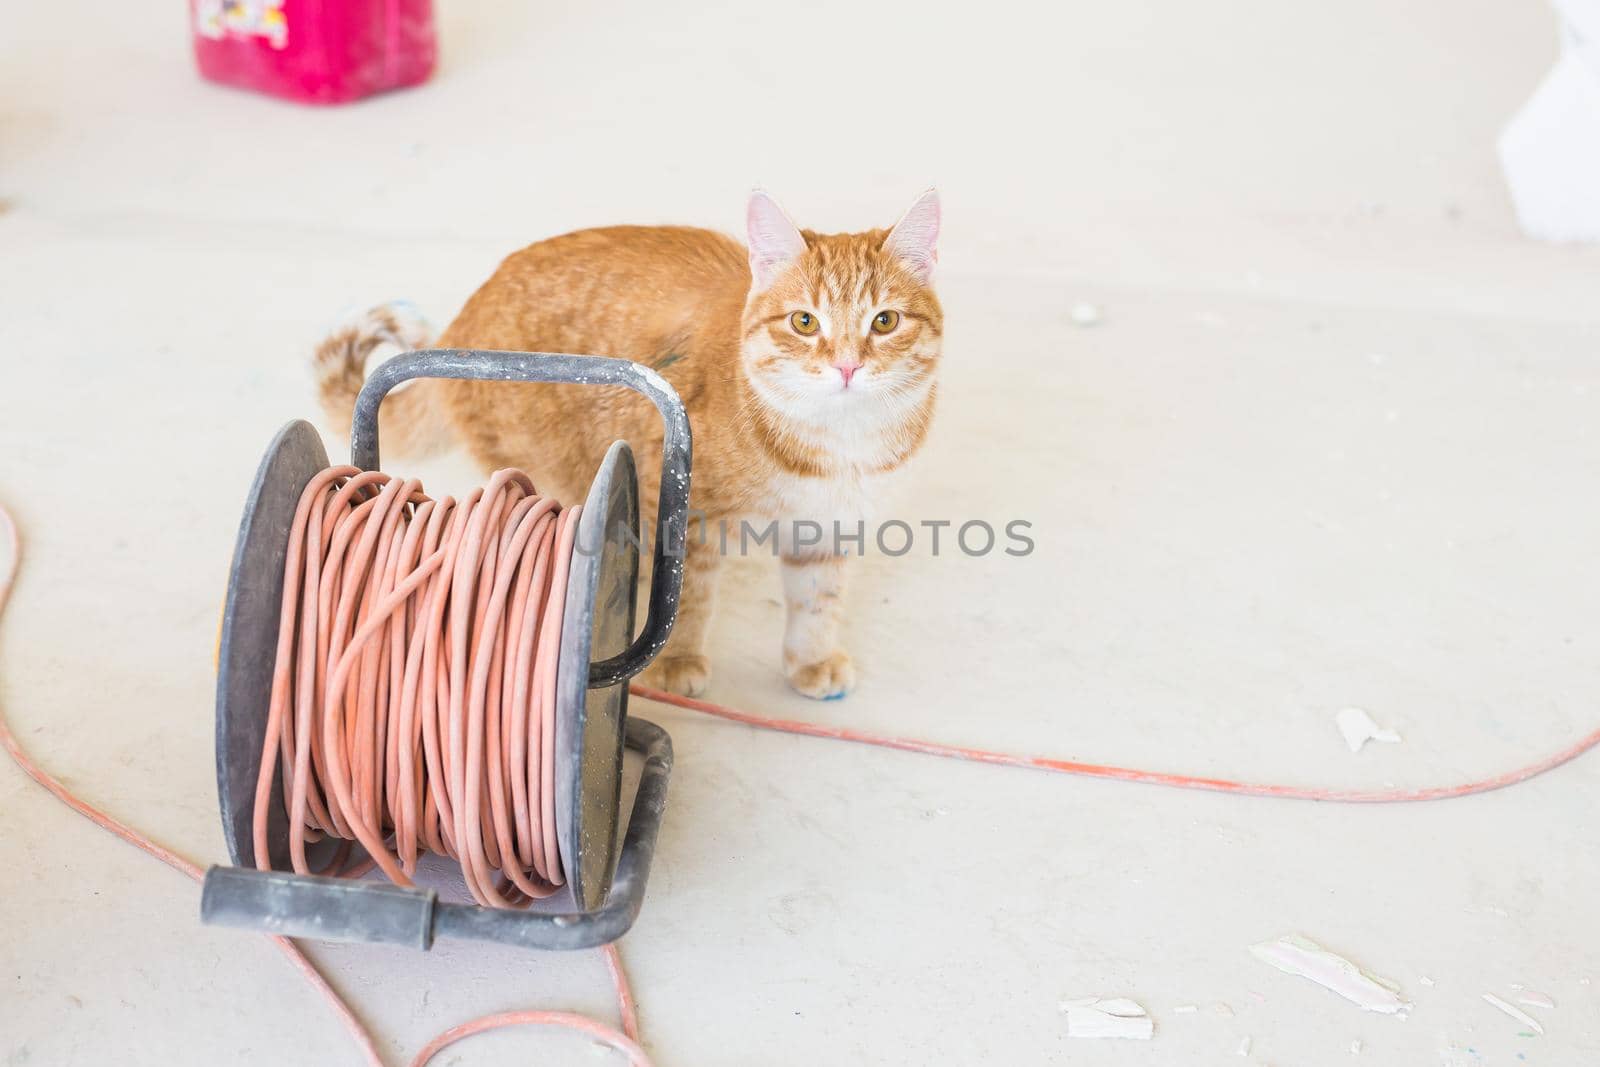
(688, 674)
(828, 678)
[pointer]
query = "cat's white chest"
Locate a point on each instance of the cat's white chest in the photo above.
(846, 498)
(843, 508)
(852, 500)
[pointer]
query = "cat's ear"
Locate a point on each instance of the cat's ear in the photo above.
(775, 242)
(915, 238)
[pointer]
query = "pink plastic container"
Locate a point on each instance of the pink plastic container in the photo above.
(314, 51)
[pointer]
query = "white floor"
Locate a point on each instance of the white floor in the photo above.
(1332, 444)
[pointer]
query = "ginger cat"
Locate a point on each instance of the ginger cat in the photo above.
(807, 363)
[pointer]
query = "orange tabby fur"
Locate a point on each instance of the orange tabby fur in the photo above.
(780, 432)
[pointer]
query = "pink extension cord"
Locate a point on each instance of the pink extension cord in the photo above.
(626, 1040)
(414, 687)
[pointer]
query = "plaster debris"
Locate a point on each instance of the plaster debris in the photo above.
(1085, 314)
(1224, 1010)
(1186, 1009)
(1515, 1012)
(1425, 980)
(1298, 955)
(1358, 728)
(1535, 999)
(1107, 1017)
(1355, 1047)
(1244, 1046)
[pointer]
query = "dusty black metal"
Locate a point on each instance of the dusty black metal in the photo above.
(250, 636)
(323, 909)
(672, 526)
(338, 909)
(602, 587)
(591, 725)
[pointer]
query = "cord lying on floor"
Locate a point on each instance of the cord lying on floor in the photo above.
(1131, 774)
(626, 1040)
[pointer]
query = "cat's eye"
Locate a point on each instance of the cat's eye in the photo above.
(885, 321)
(804, 323)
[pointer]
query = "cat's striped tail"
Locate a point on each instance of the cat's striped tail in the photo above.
(410, 422)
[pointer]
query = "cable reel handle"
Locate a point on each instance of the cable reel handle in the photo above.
(666, 584)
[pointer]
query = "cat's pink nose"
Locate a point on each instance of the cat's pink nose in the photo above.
(847, 371)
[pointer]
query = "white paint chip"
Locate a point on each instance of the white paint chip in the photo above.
(1358, 728)
(1244, 1046)
(1186, 1009)
(1107, 1017)
(1355, 1047)
(1298, 955)
(1515, 1012)
(1425, 980)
